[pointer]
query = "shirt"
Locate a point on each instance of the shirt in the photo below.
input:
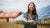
(23, 18)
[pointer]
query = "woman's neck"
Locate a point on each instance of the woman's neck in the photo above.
(30, 13)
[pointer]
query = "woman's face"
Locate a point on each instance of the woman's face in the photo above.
(31, 7)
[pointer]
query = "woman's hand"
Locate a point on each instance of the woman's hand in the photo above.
(30, 21)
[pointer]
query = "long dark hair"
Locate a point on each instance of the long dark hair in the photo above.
(34, 10)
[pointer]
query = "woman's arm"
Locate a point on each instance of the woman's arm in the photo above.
(21, 19)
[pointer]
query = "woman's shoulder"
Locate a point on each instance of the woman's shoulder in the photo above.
(23, 14)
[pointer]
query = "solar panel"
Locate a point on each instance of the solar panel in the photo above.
(44, 12)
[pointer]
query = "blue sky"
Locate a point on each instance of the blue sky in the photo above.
(21, 5)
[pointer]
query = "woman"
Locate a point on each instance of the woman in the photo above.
(30, 18)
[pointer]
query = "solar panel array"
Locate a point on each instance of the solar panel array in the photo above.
(44, 12)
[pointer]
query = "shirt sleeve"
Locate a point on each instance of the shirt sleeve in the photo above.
(36, 20)
(21, 19)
